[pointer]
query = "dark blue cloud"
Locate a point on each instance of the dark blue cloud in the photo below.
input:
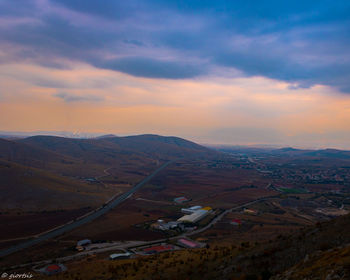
(301, 42)
(153, 68)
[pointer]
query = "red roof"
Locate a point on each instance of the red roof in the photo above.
(160, 248)
(53, 267)
(188, 243)
(236, 221)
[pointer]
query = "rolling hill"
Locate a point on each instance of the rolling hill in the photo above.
(153, 146)
(48, 172)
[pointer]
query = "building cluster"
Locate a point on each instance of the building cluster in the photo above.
(196, 213)
(165, 247)
(168, 226)
(192, 215)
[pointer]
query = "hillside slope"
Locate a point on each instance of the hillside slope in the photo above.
(31, 155)
(31, 189)
(306, 250)
(152, 146)
(48, 172)
(319, 252)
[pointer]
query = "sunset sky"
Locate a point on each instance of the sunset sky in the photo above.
(221, 72)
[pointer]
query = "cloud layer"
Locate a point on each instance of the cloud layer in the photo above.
(239, 72)
(301, 42)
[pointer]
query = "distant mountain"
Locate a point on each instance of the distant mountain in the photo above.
(287, 149)
(102, 148)
(287, 152)
(331, 153)
(105, 136)
(21, 134)
(161, 146)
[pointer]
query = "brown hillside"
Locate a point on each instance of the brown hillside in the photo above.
(31, 189)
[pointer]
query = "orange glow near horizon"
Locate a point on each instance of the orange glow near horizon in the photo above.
(209, 110)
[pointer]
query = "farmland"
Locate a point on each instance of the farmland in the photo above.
(271, 195)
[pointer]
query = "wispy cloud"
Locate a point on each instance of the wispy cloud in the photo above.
(68, 97)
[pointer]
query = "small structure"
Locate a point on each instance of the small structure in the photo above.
(158, 249)
(236, 222)
(91, 180)
(191, 209)
(120, 256)
(194, 217)
(250, 211)
(80, 248)
(189, 243)
(53, 269)
(83, 242)
(181, 199)
(166, 226)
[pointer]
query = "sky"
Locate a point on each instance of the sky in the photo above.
(217, 72)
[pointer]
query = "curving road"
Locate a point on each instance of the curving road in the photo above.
(88, 218)
(133, 244)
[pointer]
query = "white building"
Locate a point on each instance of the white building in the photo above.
(120, 256)
(191, 209)
(194, 217)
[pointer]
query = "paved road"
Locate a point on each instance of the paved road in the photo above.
(68, 227)
(132, 244)
(219, 217)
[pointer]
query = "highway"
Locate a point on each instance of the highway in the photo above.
(133, 244)
(81, 221)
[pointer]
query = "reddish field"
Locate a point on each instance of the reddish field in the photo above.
(216, 187)
(21, 225)
(265, 225)
(119, 224)
(206, 186)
